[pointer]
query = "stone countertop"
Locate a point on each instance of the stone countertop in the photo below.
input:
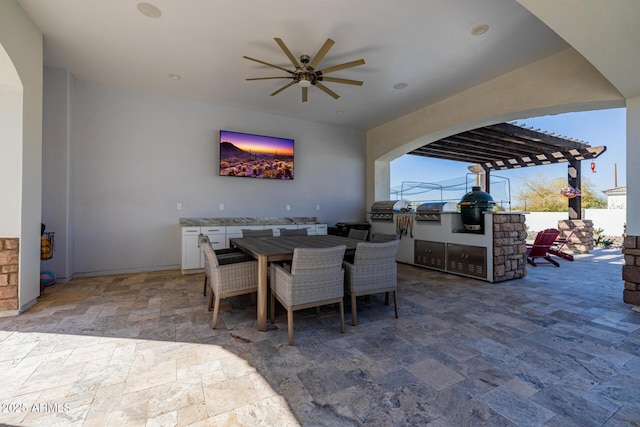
(224, 222)
(492, 213)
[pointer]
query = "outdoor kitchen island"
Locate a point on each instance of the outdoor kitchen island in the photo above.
(439, 241)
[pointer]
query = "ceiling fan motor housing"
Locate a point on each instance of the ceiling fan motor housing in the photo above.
(305, 74)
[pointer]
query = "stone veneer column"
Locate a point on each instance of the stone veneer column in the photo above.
(631, 270)
(9, 261)
(509, 246)
(582, 240)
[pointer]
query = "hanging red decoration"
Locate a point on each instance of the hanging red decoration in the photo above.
(593, 167)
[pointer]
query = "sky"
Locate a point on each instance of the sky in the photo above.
(601, 127)
(258, 143)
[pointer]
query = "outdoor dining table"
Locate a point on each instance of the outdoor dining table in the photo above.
(270, 249)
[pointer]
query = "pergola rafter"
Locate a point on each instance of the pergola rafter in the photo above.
(505, 146)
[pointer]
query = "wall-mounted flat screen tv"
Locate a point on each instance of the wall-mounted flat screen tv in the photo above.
(255, 156)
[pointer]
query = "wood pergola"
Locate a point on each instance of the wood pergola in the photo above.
(506, 146)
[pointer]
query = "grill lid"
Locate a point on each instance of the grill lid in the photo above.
(389, 206)
(431, 207)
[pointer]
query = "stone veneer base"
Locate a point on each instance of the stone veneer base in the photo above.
(582, 240)
(631, 270)
(509, 247)
(9, 262)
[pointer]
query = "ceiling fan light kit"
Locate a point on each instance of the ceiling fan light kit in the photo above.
(305, 73)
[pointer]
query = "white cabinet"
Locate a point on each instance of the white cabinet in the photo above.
(190, 250)
(192, 256)
(216, 235)
(321, 229)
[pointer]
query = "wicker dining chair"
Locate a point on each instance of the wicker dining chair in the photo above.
(293, 232)
(382, 237)
(227, 277)
(268, 232)
(225, 256)
(358, 234)
(374, 270)
(316, 279)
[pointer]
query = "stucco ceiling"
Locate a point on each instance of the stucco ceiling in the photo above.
(426, 44)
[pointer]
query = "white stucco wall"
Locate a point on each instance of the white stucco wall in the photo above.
(57, 153)
(137, 154)
(10, 146)
(612, 221)
(633, 160)
(617, 202)
(22, 42)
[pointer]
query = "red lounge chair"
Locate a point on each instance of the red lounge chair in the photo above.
(559, 244)
(540, 247)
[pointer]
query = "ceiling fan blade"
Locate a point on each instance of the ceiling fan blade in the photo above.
(266, 63)
(282, 88)
(287, 52)
(269, 78)
(342, 66)
(305, 93)
(321, 53)
(327, 90)
(339, 80)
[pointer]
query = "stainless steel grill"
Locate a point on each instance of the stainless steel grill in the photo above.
(383, 210)
(430, 212)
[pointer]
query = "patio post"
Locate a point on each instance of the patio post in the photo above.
(573, 179)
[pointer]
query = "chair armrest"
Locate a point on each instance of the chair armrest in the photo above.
(348, 267)
(236, 276)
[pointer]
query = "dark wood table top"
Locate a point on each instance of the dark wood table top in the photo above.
(281, 248)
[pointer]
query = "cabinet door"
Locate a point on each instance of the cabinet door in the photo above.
(217, 240)
(477, 261)
(190, 252)
(467, 260)
(321, 229)
(430, 254)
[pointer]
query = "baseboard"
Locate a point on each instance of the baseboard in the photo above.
(127, 271)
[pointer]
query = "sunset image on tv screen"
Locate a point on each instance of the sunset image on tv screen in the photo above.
(255, 156)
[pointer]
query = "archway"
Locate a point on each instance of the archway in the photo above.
(11, 93)
(21, 59)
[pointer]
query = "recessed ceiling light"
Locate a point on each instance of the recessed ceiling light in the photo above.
(479, 30)
(400, 85)
(339, 111)
(149, 10)
(175, 76)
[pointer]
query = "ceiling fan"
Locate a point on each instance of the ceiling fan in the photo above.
(305, 73)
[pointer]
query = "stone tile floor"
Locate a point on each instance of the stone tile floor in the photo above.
(557, 348)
